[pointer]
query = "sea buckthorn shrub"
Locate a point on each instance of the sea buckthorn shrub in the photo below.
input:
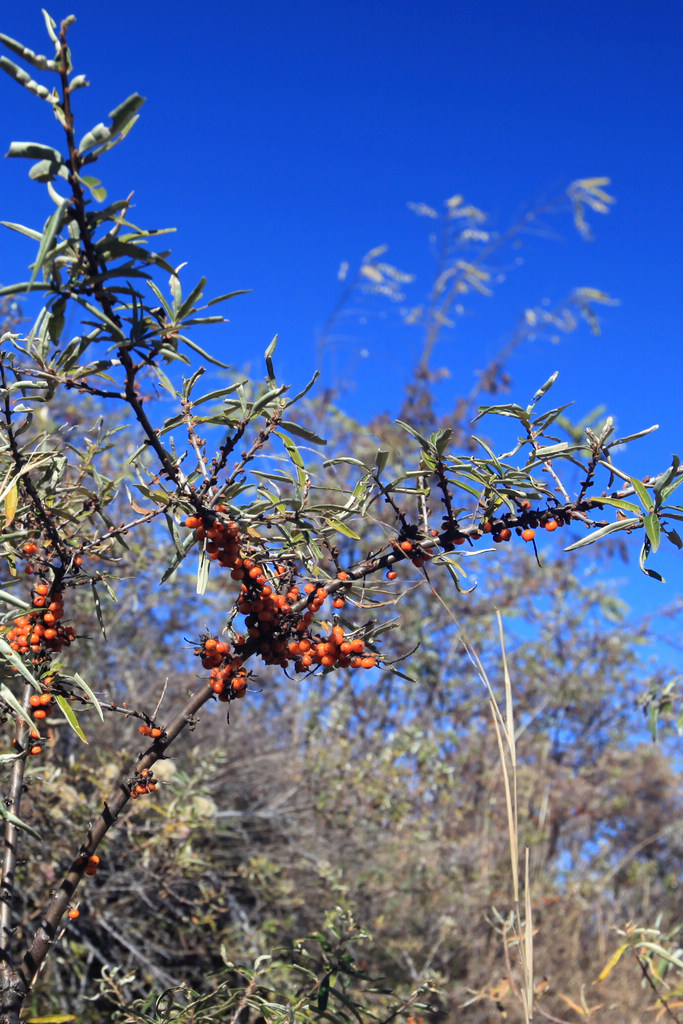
(301, 562)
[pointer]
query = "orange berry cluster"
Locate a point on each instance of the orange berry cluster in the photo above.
(91, 863)
(414, 551)
(151, 730)
(40, 632)
(274, 630)
(524, 523)
(41, 705)
(34, 742)
(503, 533)
(143, 783)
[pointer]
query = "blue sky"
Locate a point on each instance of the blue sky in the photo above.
(282, 139)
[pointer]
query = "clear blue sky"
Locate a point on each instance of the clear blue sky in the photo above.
(282, 139)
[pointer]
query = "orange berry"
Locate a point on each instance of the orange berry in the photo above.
(338, 602)
(192, 522)
(34, 700)
(551, 525)
(528, 534)
(392, 574)
(486, 528)
(42, 588)
(30, 548)
(144, 730)
(92, 868)
(40, 713)
(74, 913)
(406, 545)
(368, 662)
(342, 575)
(37, 749)
(94, 859)
(155, 733)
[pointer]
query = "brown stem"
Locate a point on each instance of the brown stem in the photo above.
(113, 807)
(11, 983)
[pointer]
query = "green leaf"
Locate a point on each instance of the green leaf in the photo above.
(441, 439)
(305, 391)
(31, 232)
(24, 79)
(95, 137)
(342, 528)
(186, 307)
(9, 699)
(228, 295)
(293, 452)
(653, 529)
(70, 716)
(36, 59)
(123, 116)
(202, 353)
(35, 151)
(202, 573)
(15, 661)
(644, 552)
(82, 685)
(516, 411)
(98, 608)
(48, 170)
(668, 491)
(52, 228)
(97, 191)
(549, 451)
(269, 353)
(627, 506)
(345, 459)
(324, 994)
(50, 26)
(544, 388)
(299, 431)
(17, 822)
(381, 459)
(24, 286)
(594, 535)
(180, 554)
(424, 443)
(642, 492)
(633, 437)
